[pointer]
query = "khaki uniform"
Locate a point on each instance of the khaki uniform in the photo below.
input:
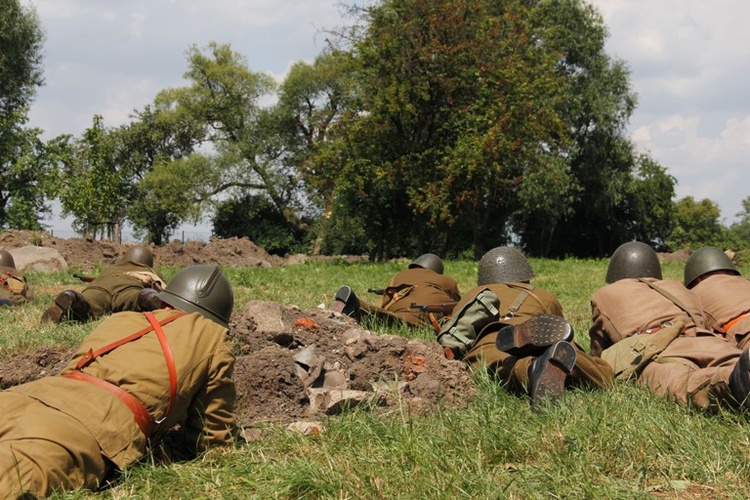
(417, 285)
(14, 287)
(116, 289)
(58, 432)
(694, 368)
(726, 298)
(511, 370)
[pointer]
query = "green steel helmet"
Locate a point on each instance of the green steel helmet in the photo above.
(633, 259)
(140, 254)
(202, 289)
(706, 260)
(504, 265)
(428, 261)
(6, 259)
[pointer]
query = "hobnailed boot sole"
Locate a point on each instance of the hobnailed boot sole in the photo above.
(534, 335)
(548, 372)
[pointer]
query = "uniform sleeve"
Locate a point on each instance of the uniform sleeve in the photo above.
(211, 420)
(599, 340)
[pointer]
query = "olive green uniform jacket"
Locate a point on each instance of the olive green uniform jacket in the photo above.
(117, 288)
(14, 287)
(511, 370)
(695, 367)
(419, 286)
(60, 433)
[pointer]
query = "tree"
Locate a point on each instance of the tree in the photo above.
(607, 205)
(21, 191)
(224, 97)
(97, 190)
(457, 105)
(696, 224)
(170, 194)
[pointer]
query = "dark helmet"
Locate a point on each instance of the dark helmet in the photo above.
(6, 259)
(633, 259)
(428, 261)
(202, 289)
(504, 265)
(705, 260)
(139, 254)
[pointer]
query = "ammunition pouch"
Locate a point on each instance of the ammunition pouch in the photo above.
(630, 356)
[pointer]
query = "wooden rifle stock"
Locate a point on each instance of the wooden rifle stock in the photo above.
(87, 279)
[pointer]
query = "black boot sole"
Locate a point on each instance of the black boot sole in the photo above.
(535, 335)
(548, 373)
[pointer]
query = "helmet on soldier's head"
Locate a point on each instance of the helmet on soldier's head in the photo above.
(705, 260)
(6, 259)
(202, 289)
(633, 259)
(428, 261)
(504, 265)
(139, 254)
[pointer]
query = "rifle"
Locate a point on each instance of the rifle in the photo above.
(87, 279)
(443, 308)
(377, 291)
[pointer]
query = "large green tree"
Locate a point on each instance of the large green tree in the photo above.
(22, 169)
(458, 104)
(696, 224)
(620, 194)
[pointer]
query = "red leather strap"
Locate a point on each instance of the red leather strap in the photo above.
(142, 417)
(170, 361)
(144, 420)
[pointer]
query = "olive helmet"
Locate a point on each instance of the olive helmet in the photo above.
(6, 259)
(504, 265)
(203, 289)
(633, 259)
(705, 260)
(139, 254)
(428, 261)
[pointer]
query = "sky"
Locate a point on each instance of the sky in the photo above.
(689, 62)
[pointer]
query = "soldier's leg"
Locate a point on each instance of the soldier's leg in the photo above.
(99, 300)
(68, 305)
(43, 450)
(590, 371)
(693, 370)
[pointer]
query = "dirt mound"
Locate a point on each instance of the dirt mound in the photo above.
(294, 364)
(87, 253)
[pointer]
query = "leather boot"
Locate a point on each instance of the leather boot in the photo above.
(534, 336)
(739, 379)
(68, 304)
(346, 301)
(547, 373)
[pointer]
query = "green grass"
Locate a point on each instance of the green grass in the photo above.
(621, 443)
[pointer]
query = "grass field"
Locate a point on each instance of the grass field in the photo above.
(621, 443)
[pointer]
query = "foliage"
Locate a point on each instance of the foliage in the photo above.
(696, 224)
(456, 104)
(24, 168)
(614, 187)
(170, 194)
(257, 218)
(97, 188)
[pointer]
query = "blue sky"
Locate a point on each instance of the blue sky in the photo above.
(689, 62)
